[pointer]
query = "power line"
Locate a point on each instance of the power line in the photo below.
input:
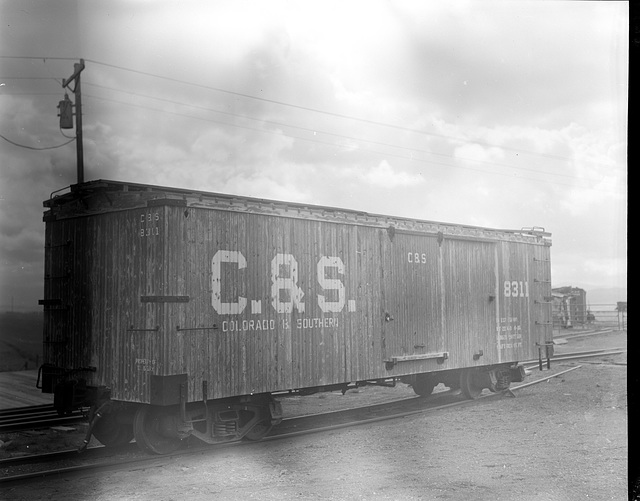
(324, 112)
(281, 124)
(43, 59)
(28, 78)
(326, 143)
(333, 134)
(57, 80)
(35, 148)
(304, 108)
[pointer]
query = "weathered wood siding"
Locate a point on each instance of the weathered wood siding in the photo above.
(252, 296)
(524, 289)
(469, 303)
(274, 303)
(96, 270)
(411, 291)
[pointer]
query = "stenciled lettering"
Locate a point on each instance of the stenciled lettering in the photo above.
(515, 288)
(286, 294)
(331, 284)
(224, 256)
(287, 283)
(417, 257)
(248, 325)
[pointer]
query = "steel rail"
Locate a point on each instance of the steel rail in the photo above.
(586, 333)
(147, 462)
(37, 420)
(418, 411)
(569, 356)
(575, 353)
(586, 352)
(25, 410)
(542, 380)
(576, 356)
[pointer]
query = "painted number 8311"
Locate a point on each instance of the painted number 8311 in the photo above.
(516, 288)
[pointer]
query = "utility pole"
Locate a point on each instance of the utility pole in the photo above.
(75, 77)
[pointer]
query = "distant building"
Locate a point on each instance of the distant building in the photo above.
(570, 307)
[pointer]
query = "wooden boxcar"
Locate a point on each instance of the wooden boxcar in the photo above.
(166, 305)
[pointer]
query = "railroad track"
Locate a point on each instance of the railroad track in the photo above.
(36, 417)
(577, 355)
(102, 459)
(45, 416)
(129, 456)
(587, 333)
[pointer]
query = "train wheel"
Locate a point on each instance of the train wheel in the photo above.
(468, 383)
(110, 432)
(155, 429)
(259, 431)
(423, 385)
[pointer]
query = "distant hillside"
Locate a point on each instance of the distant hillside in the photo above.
(606, 296)
(20, 340)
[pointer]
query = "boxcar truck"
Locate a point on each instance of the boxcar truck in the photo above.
(173, 313)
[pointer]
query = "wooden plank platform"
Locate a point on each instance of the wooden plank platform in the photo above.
(18, 389)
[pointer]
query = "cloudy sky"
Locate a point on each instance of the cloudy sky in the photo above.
(500, 114)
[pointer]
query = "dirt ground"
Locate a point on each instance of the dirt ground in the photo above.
(562, 440)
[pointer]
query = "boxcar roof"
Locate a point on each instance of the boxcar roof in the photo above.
(104, 196)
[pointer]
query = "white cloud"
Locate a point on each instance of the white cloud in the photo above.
(478, 153)
(499, 114)
(259, 186)
(385, 176)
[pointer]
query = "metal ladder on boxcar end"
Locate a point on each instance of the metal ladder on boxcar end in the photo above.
(543, 300)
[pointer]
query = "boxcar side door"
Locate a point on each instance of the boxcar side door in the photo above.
(470, 301)
(411, 290)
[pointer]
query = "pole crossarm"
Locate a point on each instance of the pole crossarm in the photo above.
(77, 69)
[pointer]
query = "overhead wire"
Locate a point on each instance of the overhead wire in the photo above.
(34, 147)
(316, 110)
(30, 94)
(306, 108)
(333, 134)
(29, 78)
(281, 124)
(325, 112)
(57, 80)
(40, 58)
(331, 144)
(68, 137)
